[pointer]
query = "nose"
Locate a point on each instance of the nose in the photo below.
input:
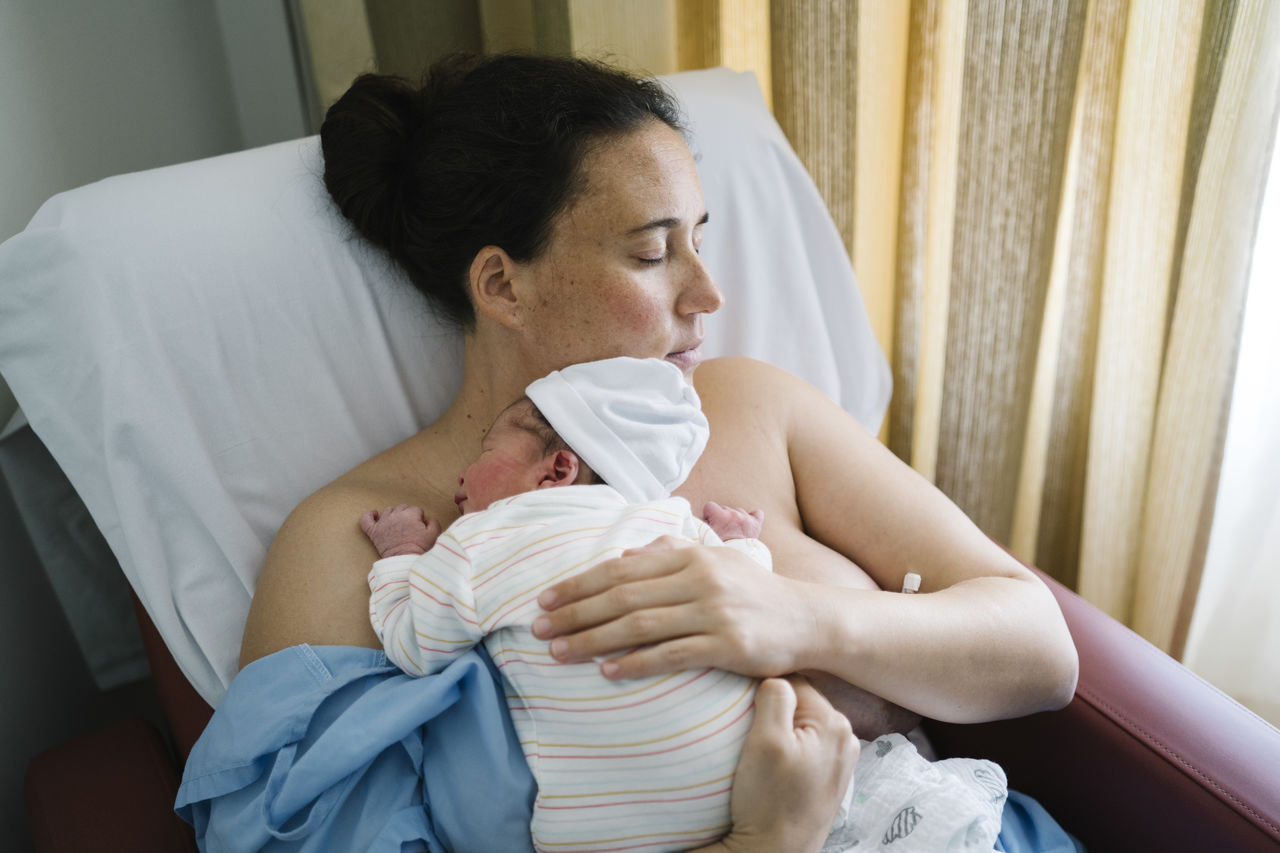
(700, 295)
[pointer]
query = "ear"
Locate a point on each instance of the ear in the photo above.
(559, 469)
(491, 283)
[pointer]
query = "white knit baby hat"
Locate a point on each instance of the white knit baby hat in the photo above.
(635, 421)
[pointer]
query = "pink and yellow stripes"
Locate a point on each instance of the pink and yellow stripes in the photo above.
(638, 765)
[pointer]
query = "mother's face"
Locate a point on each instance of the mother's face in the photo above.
(621, 274)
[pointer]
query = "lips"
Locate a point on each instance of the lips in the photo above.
(686, 359)
(458, 499)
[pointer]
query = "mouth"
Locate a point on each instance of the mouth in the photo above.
(459, 499)
(686, 359)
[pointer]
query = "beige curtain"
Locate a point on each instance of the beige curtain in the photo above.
(1063, 353)
(1051, 207)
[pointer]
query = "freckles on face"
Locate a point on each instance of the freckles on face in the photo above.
(617, 274)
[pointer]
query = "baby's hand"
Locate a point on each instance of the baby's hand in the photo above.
(400, 530)
(731, 523)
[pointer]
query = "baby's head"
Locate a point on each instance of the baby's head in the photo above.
(636, 422)
(520, 452)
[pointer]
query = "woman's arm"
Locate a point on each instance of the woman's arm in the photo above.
(796, 763)
(986, 640)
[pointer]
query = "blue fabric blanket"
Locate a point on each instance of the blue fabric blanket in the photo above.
(333, 748)
(328, 748)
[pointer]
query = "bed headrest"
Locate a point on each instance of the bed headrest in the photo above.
(202, 346)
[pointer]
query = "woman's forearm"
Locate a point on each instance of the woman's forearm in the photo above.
(982, 649)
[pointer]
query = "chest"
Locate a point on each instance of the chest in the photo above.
(746, 465)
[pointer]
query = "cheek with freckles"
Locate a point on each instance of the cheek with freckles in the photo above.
(615, 317)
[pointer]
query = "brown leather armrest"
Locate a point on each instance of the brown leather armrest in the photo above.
(109, 790)
(1147, 756)
(184, 710)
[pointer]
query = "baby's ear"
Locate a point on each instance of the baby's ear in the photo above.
(559, 469)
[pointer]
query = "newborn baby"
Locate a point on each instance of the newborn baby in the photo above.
(641, 764)
(645, 763)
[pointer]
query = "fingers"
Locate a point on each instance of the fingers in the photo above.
(775, 705)
(654, 560)
(791, 777)
(816, 716)
(396, 516)
(804, 705)
(663, 543)
(656, 620)
(684, 653)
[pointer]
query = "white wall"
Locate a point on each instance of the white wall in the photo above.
(257, 42)
(90, 89)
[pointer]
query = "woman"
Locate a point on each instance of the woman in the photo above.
(552, 208)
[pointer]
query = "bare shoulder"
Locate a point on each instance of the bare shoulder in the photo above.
(313, 586)
(738, 387)
(744, 381)
(742, 399)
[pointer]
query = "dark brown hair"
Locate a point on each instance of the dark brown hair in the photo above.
(486, 152)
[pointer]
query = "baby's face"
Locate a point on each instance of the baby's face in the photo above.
(508, 464)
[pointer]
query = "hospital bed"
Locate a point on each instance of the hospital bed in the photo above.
(201, 346)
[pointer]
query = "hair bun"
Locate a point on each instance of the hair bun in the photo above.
(366, 138)
(486, 152)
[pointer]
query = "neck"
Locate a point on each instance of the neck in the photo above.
(491, 381)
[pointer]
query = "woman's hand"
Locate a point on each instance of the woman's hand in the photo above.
(677, 606)
(795, 767)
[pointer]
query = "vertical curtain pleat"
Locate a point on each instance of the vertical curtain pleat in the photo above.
(1200, 364)
(732, 33)
(930, 159)
(815, 95)
(1158, 74)
(1055, 545)
(639, 35)
(1020, 72)
(882, 70)
(1215, 31)
(913, 197)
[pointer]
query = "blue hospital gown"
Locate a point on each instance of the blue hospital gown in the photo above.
(325, 748)
(328, 748)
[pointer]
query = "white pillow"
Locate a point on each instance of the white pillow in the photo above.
(201, 346)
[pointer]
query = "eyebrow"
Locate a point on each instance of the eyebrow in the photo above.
(669, 222)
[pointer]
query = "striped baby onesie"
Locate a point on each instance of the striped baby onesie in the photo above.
(638, 765)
